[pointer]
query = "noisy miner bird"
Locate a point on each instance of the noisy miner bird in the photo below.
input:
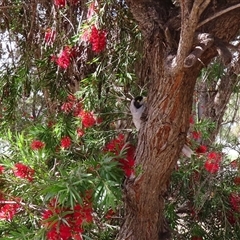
(137, 107)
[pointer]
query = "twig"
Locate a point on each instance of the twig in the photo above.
(218, 14)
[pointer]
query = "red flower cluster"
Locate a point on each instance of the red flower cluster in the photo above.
(8, 210)
(234, 164)
(64, 58)
(196, 135)
(80, 132)
(212, 164)
(196, 238)
(1, 169)
(66, 142)
(236, 180)
(233, 215)
(69, 226)
(37, 145)
(110, 213)
(201, 149)
(50, 36)
(97, 39)
(60, 3)
(115, 146)
(63, 3)
(234, 200)
(88, 119)
(191, 120)
(23, 171)
(71, 104)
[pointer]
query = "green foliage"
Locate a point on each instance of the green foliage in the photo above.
(33, 91)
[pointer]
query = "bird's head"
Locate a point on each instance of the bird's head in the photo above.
(139, 101)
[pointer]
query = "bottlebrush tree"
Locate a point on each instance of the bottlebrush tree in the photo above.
(72, 164)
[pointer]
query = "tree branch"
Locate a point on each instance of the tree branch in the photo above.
(188, 28)
(218, 14)
(205, 41)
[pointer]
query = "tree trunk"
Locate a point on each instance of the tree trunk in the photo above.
(171, 67)
(161, 139)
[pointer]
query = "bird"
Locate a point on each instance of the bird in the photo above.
(137, 107)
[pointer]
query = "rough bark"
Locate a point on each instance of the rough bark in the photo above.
(170, 93)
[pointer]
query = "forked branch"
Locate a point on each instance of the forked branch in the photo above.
(189, 24)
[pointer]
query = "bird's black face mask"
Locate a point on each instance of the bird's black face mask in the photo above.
(138, 101)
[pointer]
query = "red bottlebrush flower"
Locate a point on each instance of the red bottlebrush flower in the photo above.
(196, 135)
(71, 98)
(110, 213)
(66, 142)
(60, 3)
(212, 164)
(191, 120)
(67, 107)
(128, 162)
(196, 238)
(1, 169)
(236, 180)
(8, 211)
(49, 36)
(69, 225)
(115, 145)
(234, 200)
(201, 149)
(88, 119)
(23, 171)
(80, 132)
(37, 145)
(232, 219)
(97, 39)
(99, 120)
(64, 58)
(217, 157)
(63, 61)
(234, 164)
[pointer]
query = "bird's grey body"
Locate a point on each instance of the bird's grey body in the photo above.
(137, 107)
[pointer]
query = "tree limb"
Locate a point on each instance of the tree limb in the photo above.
(218, 14)
(205, 41)
(189, 25)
